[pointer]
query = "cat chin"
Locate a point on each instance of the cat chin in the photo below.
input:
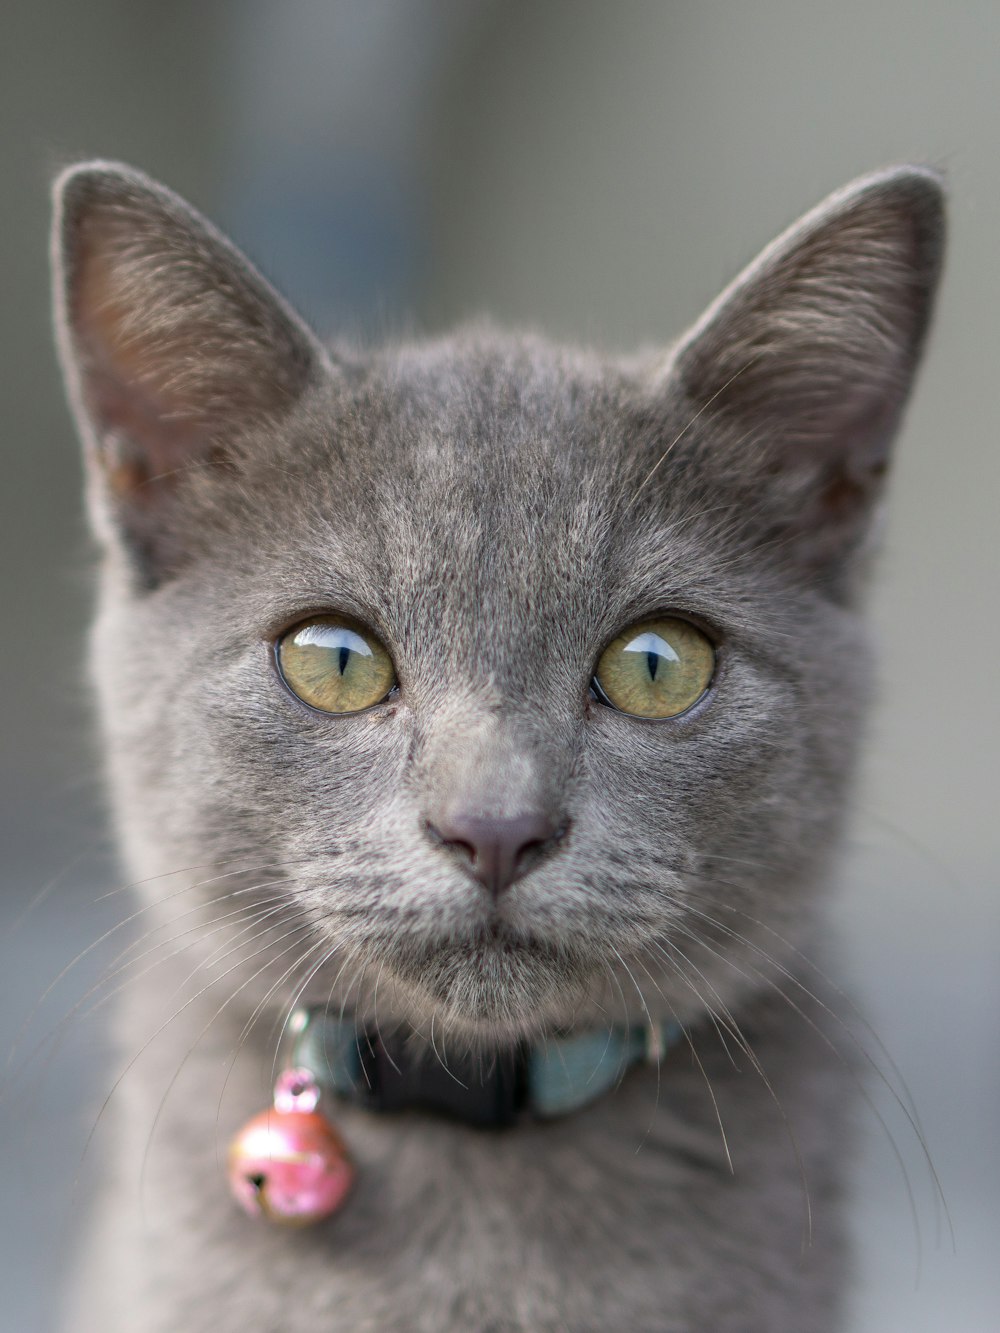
(486, 993)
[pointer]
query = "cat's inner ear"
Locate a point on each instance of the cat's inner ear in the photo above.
(805, 362)
(174, 347)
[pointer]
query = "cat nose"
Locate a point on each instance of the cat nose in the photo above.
(497, 850)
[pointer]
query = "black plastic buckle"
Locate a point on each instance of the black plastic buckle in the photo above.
(485, 1090)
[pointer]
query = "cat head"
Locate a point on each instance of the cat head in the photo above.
(510, 680)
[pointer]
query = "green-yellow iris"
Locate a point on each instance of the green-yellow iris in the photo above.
(336, 665)
(656, 668)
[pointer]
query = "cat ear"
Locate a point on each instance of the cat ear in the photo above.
(810, 354)
(172, 345)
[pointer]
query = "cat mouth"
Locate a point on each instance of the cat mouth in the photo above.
(494, 939)
(497, 979)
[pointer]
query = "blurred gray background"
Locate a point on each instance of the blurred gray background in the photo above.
(597, 170)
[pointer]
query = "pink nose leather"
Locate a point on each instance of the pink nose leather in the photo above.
(496, 850)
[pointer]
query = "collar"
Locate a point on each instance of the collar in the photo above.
(560, 1075)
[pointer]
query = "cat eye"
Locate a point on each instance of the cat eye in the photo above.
(335, 664)
(656, 668)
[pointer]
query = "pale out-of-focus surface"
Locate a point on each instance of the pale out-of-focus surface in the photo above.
(598, 171)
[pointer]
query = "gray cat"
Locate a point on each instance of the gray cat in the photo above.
(489, 702)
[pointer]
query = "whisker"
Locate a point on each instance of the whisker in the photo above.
(177, 1013)
(697, 1058)
(101, 939)
(649, 1019)
(190, 1051)
(759, 1070)
(42, 894)
(846, 1064)
(680, 434)
(331, 947)
(255, 1015)
(50, 1045)
(378, 1030)
(689, 1040)
(902, 1096)
(842, 1060)
(723, 1018)
(827, 981)
(203, 930)
(440, 1059)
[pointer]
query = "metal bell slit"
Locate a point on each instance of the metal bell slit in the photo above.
(288, 1164)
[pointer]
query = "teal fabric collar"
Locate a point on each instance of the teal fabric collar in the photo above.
(554, 1078)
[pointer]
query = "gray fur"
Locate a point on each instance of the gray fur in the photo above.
(496, 509)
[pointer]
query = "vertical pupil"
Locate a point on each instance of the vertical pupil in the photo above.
(652, 664)
(343, 657)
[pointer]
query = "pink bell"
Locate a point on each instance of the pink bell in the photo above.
(288, 1164)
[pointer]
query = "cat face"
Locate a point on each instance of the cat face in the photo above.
(474, 535)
